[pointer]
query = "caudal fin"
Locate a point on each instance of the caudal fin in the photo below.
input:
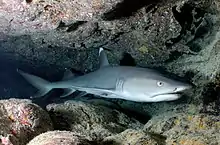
(42, 85)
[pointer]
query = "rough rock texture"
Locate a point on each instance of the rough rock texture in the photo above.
(21, 120)
(147, 35)
(186, 129)
(26, 16)
(131, 137)
(58, 138)
(92, 121)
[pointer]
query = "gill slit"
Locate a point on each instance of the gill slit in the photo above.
(120, 84)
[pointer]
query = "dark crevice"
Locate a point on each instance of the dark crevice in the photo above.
(97, 29)
(195, 26)
(61, 25)
(83, 45)
(148, 26)
(185, 20)
(209, 94)
(70, 27)
(211, 99)
(151, 7)
(202, 31)
(60, 120)
(160, 139)
(141, 117)
(117, 36)
(174, 55)
(184, 17)
(189, 75)
(127, 8)
(127, 60)
(43, 41)
(75, 26)
(190, 20)
(28, 1)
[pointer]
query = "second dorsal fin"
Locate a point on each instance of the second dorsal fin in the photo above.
(103, 60)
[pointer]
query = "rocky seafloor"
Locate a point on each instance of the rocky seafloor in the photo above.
(43, 37)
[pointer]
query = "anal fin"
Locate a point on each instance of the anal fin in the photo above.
(39, 94)
(67, 92)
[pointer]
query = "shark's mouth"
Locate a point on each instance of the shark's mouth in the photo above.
(163, 94)
(177, 91)
(166, 97)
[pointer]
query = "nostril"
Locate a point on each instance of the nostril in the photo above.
(175, 89)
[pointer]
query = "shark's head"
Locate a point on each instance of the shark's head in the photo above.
(166, 89)
(155, 88)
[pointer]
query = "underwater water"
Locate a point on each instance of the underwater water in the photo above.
(11, 83)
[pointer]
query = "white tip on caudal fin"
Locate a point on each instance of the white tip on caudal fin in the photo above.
(103, 60)
(42, 85)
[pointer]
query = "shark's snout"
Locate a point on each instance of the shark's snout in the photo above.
(182, 88)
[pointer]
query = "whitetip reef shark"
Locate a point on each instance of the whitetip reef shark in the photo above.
(122, 82)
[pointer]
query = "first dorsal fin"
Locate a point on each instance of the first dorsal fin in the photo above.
(67, 74)
(103, 60)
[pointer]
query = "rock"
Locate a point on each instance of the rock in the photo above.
(21, 120)
(131, 137)
(153, 34)
(59, 137)
(35, 15)
(185, 128)
(95, 122)
(60, 45)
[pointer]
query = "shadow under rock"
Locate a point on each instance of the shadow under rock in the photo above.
(128, 7)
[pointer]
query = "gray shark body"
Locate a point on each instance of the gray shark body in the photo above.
(122, 82)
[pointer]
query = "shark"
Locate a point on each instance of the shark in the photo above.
(131, 83)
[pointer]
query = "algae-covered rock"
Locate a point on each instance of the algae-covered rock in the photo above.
(21, 120)
(59, 138)
(131, 137)
(93, 121)
(183, 128)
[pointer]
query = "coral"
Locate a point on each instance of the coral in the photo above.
(21, 121)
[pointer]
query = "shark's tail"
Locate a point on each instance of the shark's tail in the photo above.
(42, 85)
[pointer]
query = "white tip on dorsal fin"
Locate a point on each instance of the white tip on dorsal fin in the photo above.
(67, 74)
(103, 60)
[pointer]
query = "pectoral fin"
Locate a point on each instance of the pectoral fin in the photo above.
(67, 92)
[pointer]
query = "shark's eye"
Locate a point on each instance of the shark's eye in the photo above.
(159, 83)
